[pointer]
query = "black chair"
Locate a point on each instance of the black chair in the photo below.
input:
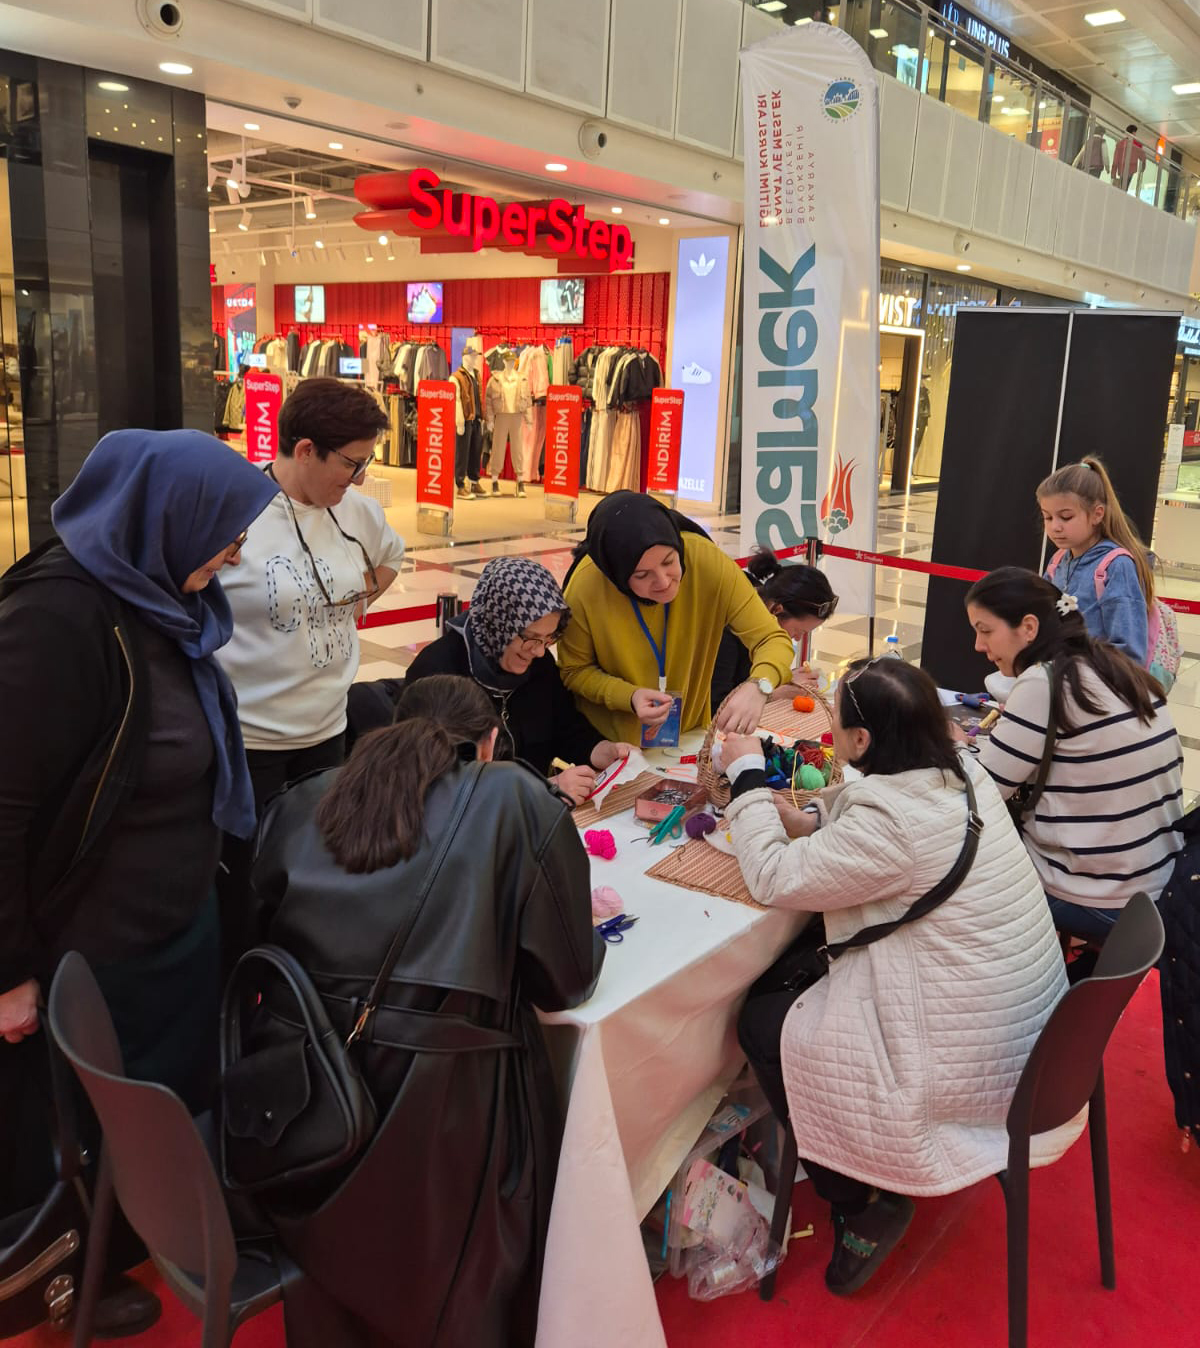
(1064, 1072)
(154, 1160)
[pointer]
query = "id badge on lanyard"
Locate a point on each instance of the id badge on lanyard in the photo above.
(665, 735)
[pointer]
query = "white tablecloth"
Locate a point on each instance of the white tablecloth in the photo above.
(642, 1065)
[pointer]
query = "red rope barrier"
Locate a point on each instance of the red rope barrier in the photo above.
(390, 617)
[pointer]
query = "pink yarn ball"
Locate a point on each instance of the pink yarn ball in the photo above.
(606, 903)
(599, 842)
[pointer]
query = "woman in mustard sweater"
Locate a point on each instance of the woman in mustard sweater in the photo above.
(650, 596)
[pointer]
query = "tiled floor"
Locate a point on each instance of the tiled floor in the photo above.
(507, 526)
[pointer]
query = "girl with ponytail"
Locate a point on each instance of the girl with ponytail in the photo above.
(1105, 824)
(1084, 520)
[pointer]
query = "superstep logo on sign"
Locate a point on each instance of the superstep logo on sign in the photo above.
(666, 435)
(435, 443)
(564, 424)
(810, 390)
(264, 393)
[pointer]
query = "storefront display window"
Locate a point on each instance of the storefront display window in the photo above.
(1011, 103)
(893, 42)
(953, 70)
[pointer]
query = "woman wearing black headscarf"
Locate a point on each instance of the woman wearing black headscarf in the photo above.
(503, 643)
(621, 658)
(125, 761)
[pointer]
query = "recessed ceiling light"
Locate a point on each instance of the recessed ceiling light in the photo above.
(251, 126)
(1193, 88)
(391, 257)
(962, 266)
(954, 42)
(664, 219)
(383, 240)
(1101, 18)
(556, 168)
(336, 145)
(997, 98)
(174, 68)
(771, 6)
(1014, 112)
(113, 87)
(618, 210)
(878, 32)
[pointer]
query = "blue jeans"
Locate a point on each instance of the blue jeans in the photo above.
(1076, 919)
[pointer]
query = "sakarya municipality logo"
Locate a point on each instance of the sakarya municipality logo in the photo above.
(841, 100)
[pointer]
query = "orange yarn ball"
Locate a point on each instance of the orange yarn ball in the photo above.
(802, 703)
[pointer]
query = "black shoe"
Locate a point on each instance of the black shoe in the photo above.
(862, 1242)
(127, 1309)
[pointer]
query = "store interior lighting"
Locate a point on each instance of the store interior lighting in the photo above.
(113, 87)
(1102, 18)
(771, 6)
(555, 167)
(244, 222)
(212, 223)
(310, 210)
(618, 210)
(174, 68)
(880, 33)
(664, 219)
(318, 244)
(383, 241)
(370, 255)
(1183, 89)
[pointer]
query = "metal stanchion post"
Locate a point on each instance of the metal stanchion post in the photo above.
(448, 606)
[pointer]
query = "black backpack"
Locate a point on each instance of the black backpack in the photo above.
(1180, 977)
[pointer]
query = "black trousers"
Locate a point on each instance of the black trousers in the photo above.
(759, 1028)
(468, 448)
(270, 771)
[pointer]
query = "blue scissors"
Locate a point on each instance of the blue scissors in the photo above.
(613, 931)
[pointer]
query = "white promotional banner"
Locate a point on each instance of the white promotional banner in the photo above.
(810, 377)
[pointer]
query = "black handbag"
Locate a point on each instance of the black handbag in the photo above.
(294, 1103)
(807, 959)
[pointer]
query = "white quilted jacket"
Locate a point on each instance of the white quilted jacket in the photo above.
(900, 1064)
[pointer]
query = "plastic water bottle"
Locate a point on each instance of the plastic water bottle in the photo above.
(891, 646)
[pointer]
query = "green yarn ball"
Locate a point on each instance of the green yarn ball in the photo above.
(811, 779)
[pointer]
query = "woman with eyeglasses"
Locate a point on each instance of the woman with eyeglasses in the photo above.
(310, 566)
(435, 1237)
(503, 643)
(122, 765)
(798, 596)
(650, 595)
(897, 1067)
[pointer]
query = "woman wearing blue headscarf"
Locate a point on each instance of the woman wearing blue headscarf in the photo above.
(123, 760)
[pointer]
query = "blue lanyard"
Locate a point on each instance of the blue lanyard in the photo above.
(660, 654)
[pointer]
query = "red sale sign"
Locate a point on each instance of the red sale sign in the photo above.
(564, 419)
(666, 435)
(264, 393)
(435, 443)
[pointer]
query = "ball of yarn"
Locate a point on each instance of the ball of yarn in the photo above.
(606, 903)
(599, 842)
(827, 737)
(811, 779)
(802, 703)
(700, 824)
(813, 755)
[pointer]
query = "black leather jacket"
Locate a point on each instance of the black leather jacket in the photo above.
(436, 1237)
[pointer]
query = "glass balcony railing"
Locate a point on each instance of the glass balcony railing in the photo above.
(927, 50)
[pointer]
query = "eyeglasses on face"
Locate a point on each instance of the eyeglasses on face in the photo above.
(235, 548)
(358, 467)
(533, 644)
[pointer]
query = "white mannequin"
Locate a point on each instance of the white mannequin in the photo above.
(508, 405)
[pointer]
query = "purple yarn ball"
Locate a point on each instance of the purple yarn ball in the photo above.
(700, 824)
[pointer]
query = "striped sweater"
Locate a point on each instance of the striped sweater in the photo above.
(1106, 825)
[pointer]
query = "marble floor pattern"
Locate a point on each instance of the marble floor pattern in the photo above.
(510, 527)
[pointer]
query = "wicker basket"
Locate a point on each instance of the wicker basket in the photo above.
(780, 717)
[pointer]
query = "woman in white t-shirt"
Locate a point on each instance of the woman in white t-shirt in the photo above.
(311, 563)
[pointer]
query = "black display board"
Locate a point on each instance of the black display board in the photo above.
(1031, 390)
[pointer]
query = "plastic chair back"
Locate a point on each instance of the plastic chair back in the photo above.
(162, 1173)
(1063, 1068)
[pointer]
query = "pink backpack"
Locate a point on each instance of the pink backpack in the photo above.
(1163, 648)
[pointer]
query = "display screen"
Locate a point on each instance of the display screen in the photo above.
(562, 300)
(424, 301)
(349, 365)
(309, 304)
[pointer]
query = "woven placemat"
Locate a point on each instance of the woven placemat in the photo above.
(782, 718)
(619, 799)
(701, 867)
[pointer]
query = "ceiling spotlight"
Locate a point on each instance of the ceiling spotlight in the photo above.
(251, 126)
(212, 223)
(556, 168)
(370, 255)
(318, 244)
(664, 219)
(232, 181)
(244, 222)
(1103, 17)
(1192, 88)
(174, 68)
(963, 266)
(618, 210)
(231, 191)
(391, 257)
(336, 145)
(383, 241)
(113, 87)
(262, 257)
(310, 211)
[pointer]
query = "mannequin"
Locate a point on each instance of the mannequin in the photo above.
(468, 423)
(508, 409)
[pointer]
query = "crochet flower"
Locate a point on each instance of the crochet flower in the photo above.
(1066, 603)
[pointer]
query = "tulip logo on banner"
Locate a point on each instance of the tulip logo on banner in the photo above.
(435, 443)
(564, 422)
(666, 436)
(810, 389)
(264, 393)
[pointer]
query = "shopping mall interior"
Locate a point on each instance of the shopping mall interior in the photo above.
(206, 203)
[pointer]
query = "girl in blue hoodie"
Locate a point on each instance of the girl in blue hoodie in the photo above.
(1085, 522)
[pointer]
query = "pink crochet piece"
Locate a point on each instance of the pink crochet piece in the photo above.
(606, 903)
(599, 842)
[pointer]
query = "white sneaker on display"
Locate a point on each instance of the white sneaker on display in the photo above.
(696, 374)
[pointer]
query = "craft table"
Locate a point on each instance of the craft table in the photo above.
(641, 1066)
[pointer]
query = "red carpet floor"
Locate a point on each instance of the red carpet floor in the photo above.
(945, 1284)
